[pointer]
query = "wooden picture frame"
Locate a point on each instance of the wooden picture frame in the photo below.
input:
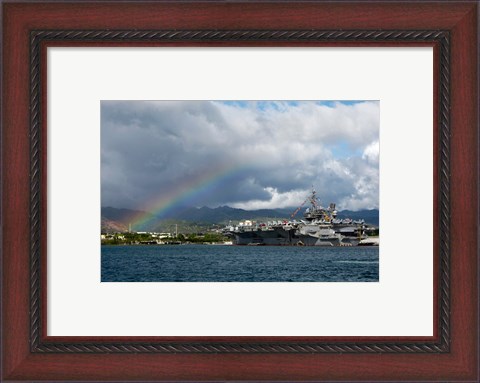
(29, 28)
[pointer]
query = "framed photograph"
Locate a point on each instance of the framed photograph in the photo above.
(200, 191)
(194, 175)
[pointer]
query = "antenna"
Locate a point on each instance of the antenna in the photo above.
(312, 200)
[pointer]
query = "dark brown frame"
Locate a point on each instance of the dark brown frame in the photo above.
(29, 28)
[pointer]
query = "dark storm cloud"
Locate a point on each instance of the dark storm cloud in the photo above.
(269, 154)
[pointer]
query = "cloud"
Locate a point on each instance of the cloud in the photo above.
(274, 200)
(372, 152)
(245, 154)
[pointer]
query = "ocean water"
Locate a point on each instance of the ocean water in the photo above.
(217, 263)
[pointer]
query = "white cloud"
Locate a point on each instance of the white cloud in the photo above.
(276, 200)
(372, 152)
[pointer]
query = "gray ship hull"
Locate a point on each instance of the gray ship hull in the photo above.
(309, 240)
(271, 237)
(281, 237)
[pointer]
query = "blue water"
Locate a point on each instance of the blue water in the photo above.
(204, 263)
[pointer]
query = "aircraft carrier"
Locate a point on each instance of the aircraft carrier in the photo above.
(318, 227)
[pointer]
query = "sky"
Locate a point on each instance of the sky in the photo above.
(158, 155)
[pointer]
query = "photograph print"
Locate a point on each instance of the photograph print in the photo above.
(240, 191)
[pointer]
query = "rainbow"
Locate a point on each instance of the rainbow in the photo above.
(187, 192)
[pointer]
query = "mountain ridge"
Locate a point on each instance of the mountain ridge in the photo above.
(205, 216)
